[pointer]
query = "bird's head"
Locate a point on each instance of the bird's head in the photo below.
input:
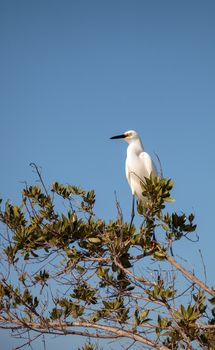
(128, 136)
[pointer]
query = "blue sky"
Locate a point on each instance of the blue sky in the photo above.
(74, 73)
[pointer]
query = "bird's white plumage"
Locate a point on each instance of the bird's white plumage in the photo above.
(137, 168)
(138, 163)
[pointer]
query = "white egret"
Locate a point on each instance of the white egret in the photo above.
(138, 165)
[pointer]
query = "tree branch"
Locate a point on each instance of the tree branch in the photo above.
(61, 328)
(190, 275)
(137, 278)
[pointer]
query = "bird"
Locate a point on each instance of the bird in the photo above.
(138, 165)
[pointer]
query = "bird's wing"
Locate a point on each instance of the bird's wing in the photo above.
(149, 165)
(127, 172)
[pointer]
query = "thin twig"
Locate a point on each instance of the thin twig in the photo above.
(204, 267)
(159, 161)
(33, 165)
(190, 276)
(136, 278)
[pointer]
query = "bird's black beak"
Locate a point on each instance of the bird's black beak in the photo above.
(118, 137)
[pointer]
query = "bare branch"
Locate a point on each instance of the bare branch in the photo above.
(62, 329)
(136, 278)
(190, 275)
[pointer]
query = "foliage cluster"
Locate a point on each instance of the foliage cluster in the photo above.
(69, 272)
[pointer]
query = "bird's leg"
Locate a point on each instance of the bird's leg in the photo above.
(132, 212)
(153, 235)
(170, 247)
(150, 222)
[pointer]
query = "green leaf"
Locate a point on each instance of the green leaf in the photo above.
(169, 199)
(144, 314)
(212, 300)
(94, 240)
(159, 255)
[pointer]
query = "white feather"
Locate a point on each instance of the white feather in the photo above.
(138, 164)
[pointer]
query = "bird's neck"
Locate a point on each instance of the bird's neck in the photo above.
(135, 147)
